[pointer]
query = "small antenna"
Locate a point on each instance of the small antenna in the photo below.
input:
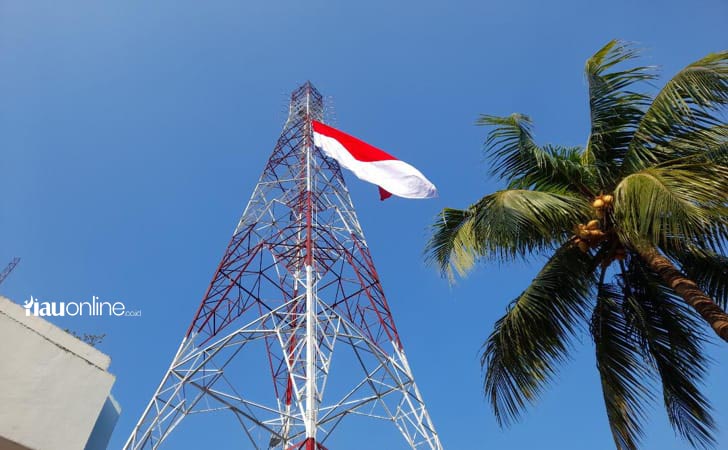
(9, 268)
(330, 110)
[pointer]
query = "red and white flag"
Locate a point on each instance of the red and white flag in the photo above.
(394, 177)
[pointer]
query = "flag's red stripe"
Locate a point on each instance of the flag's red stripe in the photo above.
(360, 150)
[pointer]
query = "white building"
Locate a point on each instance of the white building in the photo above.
(54, 388)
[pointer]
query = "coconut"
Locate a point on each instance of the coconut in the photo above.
(608, 199)
(595, 234)
(583, 246)
(598, 203)
(592, 225)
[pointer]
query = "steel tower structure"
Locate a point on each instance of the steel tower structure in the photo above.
(296, 281)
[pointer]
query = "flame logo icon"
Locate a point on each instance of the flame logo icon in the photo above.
(28, 303)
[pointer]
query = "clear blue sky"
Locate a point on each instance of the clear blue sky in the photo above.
(132, 133)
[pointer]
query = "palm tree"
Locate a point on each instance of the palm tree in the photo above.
(635, 225)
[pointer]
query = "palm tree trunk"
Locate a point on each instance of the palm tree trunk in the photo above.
(688, 290)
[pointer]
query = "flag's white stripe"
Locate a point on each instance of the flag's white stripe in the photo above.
(397, 177)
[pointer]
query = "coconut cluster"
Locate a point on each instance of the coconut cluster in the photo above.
(601, 204)
(590, 234)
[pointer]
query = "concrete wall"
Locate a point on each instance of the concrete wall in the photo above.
(52, 385)
(105, 424)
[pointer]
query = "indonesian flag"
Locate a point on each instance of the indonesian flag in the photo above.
(394, 177)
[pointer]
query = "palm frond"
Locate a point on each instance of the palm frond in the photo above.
(621, 368)
(510, 145)
(674, 205)
(453, 247)
(616, 109)
(516, 158)
(528, 343)
(560, 169)
(686, 109)
(701, 145)
(719, 153)
(504, 225)
(672, 342)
